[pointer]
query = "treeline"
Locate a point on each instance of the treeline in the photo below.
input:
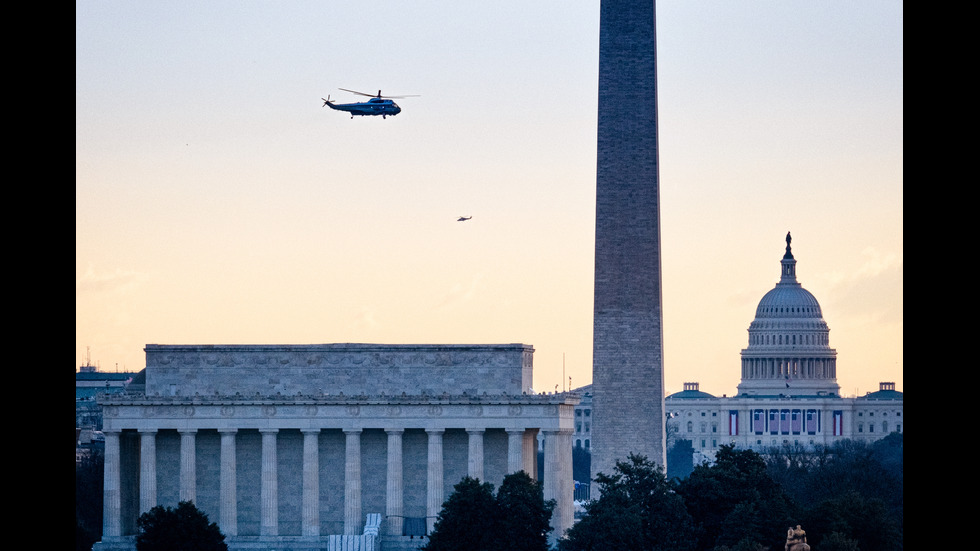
(847, 497)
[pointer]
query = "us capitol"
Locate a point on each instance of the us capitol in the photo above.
(788, 392)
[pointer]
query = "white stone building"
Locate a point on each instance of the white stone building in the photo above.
(294, 447)
(788, 392)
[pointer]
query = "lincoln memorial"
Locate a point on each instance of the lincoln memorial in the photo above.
(302, 447)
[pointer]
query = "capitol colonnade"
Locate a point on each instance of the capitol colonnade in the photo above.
(291, 470)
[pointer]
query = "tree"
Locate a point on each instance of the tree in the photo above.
(853, 487)
(838, 542)
(88, 499)
(523, 515)
(468, 519)
(473, 519)
(638, 509)
(182, 528)
(734, 500)
(852, 516)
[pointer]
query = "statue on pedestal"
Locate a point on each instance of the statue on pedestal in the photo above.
(796, 539)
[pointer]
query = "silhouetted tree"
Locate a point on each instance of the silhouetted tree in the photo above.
(467, 519)
(181, 528)
(473, 519)
(838, 542)
(823, 481)
(523, 515)
(734, 499)
(852, 516)
(89, 489)
(638, 509)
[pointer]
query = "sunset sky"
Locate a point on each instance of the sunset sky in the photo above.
(218, 202)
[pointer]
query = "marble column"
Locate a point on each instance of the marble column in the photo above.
(530, 452)
(565, 506)
(475, 455)
(112, 498)
(188, 465)
(394, 507)
(269, 524)
(515, 445)
(352, 482)
(148, 469)
(228, 483)
(434, 492)
(558, 479)
(311, 482)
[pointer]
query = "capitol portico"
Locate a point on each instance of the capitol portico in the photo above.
(296, 446)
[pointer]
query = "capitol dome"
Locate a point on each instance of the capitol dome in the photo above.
(789, 350)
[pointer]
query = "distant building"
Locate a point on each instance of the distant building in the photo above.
(298, 447)
(88, 384)
(788, 392)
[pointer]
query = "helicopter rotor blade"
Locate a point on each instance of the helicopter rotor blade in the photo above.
(378, 95)
(358, 93)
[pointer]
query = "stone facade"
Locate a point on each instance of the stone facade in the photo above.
(284, 446)
(627, 371)
(760, 422)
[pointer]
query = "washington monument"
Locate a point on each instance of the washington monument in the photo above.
(627, 369)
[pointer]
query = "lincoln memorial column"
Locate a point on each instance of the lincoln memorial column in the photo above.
(269, 524)
(352, 483)
(148, 469)
(311, 482)
(565, 507)
(558, 479)
(434, 493)
(228, 505)
(515, 445)
(394, 508)
(475, 463)
(188, 464)
(111, 523)
(530, 452)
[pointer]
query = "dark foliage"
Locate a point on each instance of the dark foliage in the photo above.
(735, 502)
(524, 516)
(182, 528)
(638, 509)
(473, 519)
(88, 500)
(864, 520)
(467, 519)
(84, 540)
(852, 488)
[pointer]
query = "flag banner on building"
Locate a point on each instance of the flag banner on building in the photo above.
(733, 423)
(759, 421)
(838, 423)
(784, 421)
(773, 421)
(796, 424)
(811, 421)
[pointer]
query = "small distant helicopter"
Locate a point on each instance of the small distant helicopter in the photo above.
(377, 105)
(463, 218)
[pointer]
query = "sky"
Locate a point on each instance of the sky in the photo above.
(218, 202)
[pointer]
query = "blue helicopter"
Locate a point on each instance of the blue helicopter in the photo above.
(377, 105)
